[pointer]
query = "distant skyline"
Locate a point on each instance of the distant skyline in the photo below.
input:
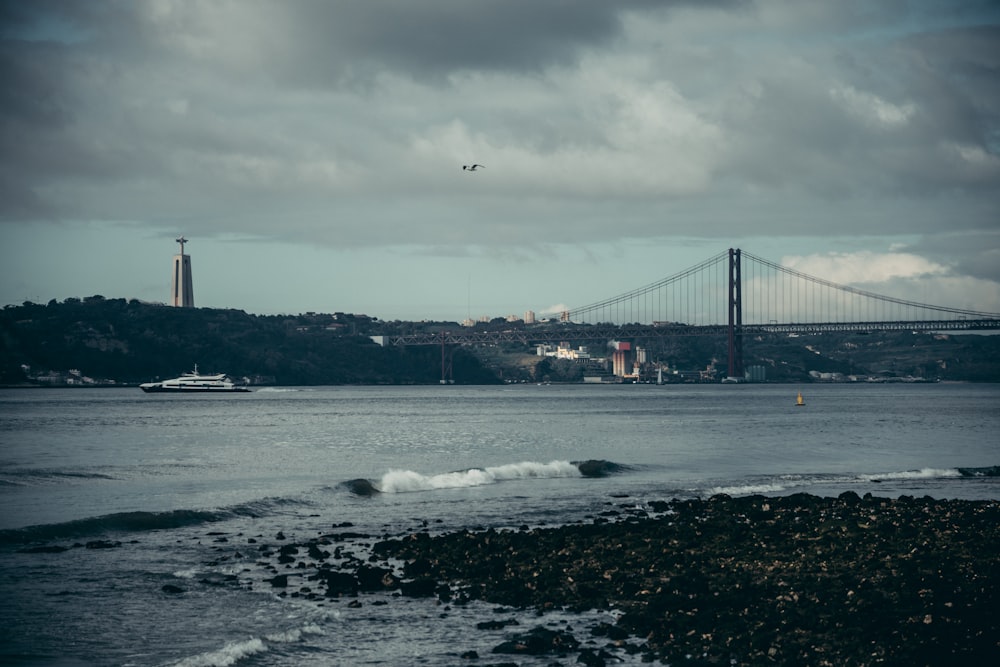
(311, 152)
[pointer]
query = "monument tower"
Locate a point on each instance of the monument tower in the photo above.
(182, 293)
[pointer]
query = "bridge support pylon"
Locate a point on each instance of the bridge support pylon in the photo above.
(447, 374)
(735, 316)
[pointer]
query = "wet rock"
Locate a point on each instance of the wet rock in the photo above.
(496, 625)
(598, 468)
(376, 579)
(338, 584)
(47, 549)
(279, 581)
(102, 544)
(593, 659)
(361, 487)
(421, 587)
(756, 580)
(316, 553)
(171, 589)
(539, 641)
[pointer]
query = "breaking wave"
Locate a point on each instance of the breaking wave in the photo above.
(235, 652)
(407, 481)
(403, 481)
(783, 483)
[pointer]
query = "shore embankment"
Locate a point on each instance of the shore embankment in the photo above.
(797, 580)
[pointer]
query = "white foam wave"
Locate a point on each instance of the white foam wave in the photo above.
(794, 481)
(228, 655)
(404, 481)
(923, 473)
(295, 635)
(747, 489)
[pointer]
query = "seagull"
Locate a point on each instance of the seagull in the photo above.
(473, 167)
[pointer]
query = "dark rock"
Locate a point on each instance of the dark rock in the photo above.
(496, 625)
(591, 659)
(279, 581)
(598, 468)
(102, 544)
(318, 554)
(420, 587)
(361, 487)
(785, 581)
(849, 498)
(338, 583)
(416, 568)
(376, 579)
(47, 549)
(171, 589)
(610, 631)
(539, 641)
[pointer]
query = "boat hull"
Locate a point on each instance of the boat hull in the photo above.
(157, 389)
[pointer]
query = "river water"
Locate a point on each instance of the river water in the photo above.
(179, 491)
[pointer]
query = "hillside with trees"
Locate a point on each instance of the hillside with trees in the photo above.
(131, 342)
(114, 341)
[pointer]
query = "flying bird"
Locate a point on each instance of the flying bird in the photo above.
(473, 167)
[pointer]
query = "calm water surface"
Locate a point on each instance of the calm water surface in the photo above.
(179, 481)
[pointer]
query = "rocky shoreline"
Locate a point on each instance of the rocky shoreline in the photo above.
(797, 580)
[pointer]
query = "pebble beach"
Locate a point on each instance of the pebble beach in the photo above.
(797, 580)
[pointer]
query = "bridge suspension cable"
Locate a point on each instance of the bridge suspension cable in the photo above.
(769, 294)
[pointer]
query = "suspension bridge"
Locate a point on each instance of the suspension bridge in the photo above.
(733, 294)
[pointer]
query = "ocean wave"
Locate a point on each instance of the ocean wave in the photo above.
(408, 481)
(39, 477)
(227, 656)
(138, 522)
(234, 652)
(988, 471)
(120, 522)
(782, 483)
(403, 481)
(747, 489)
(923, 473)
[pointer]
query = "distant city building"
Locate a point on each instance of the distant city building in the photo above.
(621, 351)
(529, 317)
(182, 292)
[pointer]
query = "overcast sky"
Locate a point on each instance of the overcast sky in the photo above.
(312, 150)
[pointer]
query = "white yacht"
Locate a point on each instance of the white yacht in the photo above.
(194, 381)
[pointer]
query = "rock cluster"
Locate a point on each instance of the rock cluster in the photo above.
(796, 580)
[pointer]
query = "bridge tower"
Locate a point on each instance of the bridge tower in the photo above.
(182, 290)
(735, 316)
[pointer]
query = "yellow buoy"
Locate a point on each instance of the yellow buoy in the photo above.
(798, 400)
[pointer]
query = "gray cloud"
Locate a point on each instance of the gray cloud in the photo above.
(346, 122)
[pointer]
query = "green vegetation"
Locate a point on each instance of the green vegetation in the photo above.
(103, 341)
(131, 342)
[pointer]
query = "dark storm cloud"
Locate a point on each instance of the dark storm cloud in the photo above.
(796, 116)
(431, 39)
